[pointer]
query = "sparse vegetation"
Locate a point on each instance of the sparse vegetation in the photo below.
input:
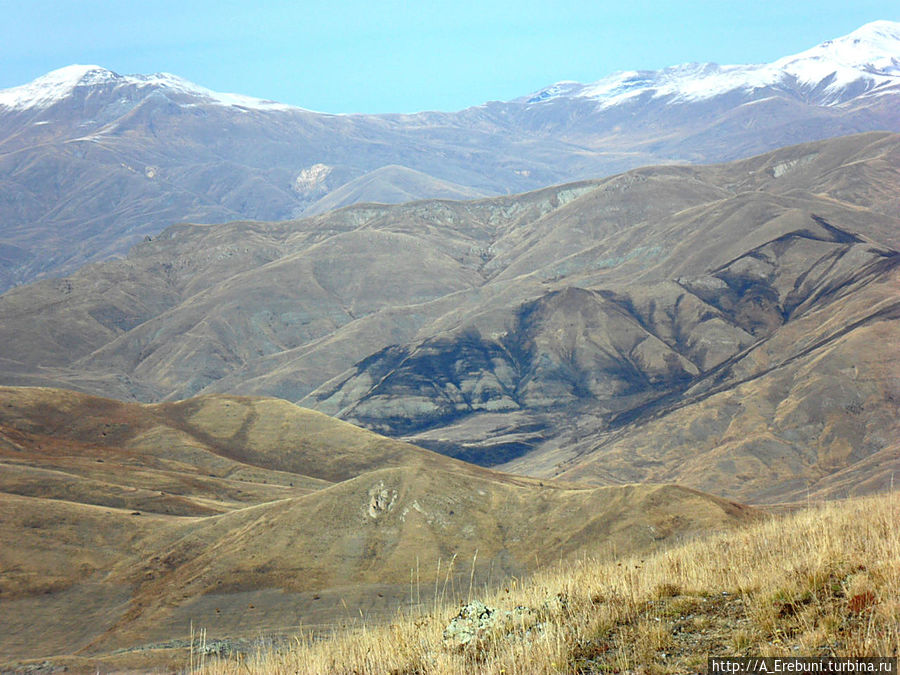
(240, 558)
(824, 581)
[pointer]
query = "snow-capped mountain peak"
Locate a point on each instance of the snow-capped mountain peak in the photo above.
(864, 62)
(59, 84)
(872, 42)
(871, 52)
(54, 86)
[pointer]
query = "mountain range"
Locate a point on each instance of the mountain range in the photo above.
(92, 161)
(264, 368)
(729, 327)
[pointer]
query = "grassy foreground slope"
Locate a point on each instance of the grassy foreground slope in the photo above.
(824, 581)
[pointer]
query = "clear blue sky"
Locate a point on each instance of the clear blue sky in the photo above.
(396, 56)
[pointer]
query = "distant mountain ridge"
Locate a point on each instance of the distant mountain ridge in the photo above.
(864, 63)
(92, 161)
(869, 55)
(56, 86)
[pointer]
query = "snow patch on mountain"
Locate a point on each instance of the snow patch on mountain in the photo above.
(864, 63)
(59, 84)
(869, 55)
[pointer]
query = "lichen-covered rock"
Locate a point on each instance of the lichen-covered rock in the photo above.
(476, 624)
(469, 628)
(381, 499)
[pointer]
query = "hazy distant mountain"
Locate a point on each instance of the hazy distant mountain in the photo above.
(390, 185)
(92, 161)
(731, 327)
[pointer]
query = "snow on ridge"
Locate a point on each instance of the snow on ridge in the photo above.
(869, 55)
(685, 82)
(871, 52)
(56, 85)
(556, 90)
(868, 59)
(173, 82)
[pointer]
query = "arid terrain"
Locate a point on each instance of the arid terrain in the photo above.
(731, 328)
(824, 582)
(123, 524)
(603, 378)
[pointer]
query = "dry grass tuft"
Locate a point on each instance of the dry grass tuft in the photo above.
(824, 581)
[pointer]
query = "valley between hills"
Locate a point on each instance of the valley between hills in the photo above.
(92, 161)
(623, 364)
(731, 328)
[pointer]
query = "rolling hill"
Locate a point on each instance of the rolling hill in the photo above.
(124, 523)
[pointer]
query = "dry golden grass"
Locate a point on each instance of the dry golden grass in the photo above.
(824, 581)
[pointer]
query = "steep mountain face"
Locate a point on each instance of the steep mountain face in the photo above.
(802, 397)
(553, 330)
(92, 161)
(123, 523)
(613, 360)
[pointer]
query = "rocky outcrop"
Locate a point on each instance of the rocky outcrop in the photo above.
(476, 625)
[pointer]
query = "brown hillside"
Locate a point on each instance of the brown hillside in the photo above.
(123, 523)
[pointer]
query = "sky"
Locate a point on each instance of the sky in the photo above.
(396, 56)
